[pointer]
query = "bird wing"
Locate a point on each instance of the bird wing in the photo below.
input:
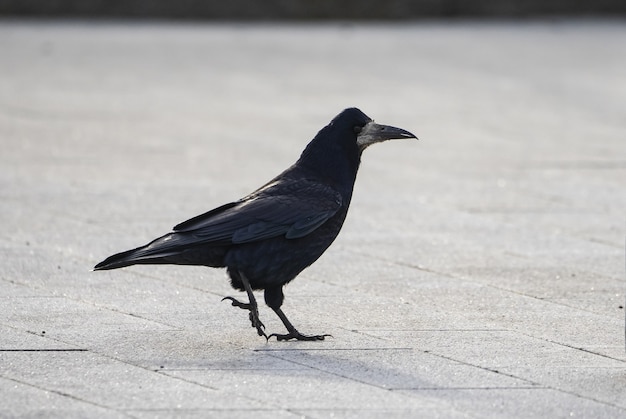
(289, 208)
(293, 210)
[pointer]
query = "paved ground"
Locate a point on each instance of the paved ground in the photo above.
(480, 272)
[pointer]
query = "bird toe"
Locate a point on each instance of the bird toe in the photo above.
(298, 336)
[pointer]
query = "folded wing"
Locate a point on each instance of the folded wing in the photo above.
(292, 211)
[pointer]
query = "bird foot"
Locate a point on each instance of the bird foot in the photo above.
(257, 323)
(254, 315)
(297, 336)
(237, 303)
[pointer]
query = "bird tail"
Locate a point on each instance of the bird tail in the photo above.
(154, 252)
(127, 258)
(176, 248)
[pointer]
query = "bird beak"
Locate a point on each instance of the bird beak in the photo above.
(376, 133)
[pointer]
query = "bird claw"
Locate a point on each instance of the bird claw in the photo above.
(259, 327)
(237, 303)
(254, 315)
(297, 336)
(256, 321)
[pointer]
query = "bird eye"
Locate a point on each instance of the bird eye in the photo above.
(357, 129)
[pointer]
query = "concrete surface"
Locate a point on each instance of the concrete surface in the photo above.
(480, 272)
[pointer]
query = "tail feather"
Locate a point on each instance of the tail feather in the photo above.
(118, 260)
(151, 253)
(173, 248)
(127, 258)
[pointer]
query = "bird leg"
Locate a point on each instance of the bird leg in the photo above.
(293, 333)
(245, 306)
(251, 306)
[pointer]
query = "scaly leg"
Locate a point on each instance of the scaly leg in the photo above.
(251, 306)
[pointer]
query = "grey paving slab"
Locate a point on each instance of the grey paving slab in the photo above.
(314, 389)
(502, 347)
(390, 412)
(32, 340)
(604, 385)
(598, 378)
(213, 413)
(120, 385)
(399, 368)
(527, 403)
(25, 400)
(480, 272)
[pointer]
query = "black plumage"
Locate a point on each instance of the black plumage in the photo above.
(268, 237)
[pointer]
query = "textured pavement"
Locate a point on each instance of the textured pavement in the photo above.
(480, 272)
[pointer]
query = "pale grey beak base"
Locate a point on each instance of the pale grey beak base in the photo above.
(375, 133)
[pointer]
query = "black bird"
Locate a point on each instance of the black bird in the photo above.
(268, 237)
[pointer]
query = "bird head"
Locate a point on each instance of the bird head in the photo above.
(344, 139)
(369, 132)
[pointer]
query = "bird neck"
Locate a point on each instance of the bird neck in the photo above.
(335, 164)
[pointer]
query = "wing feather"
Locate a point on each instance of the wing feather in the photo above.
(293, 210)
